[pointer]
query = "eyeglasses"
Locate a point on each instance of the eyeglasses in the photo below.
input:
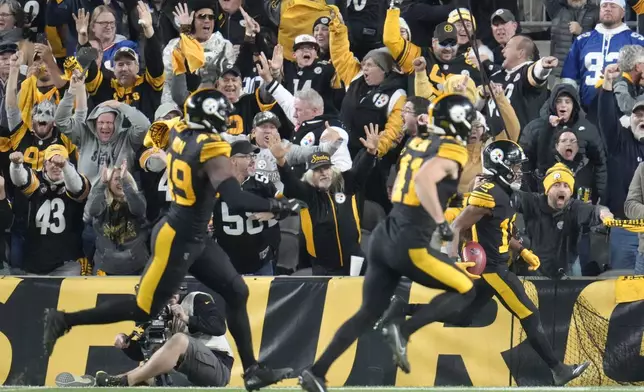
(448, 43)
(572, 141)
(106, 24)
(246, 156)
(5, 15)
(206, 16)
(408, 111)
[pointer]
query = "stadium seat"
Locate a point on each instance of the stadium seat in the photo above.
(303, 272)
(615, 273)
(289, 251)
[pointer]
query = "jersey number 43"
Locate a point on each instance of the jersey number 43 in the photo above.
(51, 217)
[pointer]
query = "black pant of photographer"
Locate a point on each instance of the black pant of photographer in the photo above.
(188, 356)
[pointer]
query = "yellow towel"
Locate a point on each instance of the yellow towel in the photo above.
(190, 50)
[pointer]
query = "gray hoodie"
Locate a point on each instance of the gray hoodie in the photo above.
(130, 128)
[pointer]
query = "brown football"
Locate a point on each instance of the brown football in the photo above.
(474, 252)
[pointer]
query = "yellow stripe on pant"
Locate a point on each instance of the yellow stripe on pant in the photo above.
(151, 278)
(440, 270)
(507, 295)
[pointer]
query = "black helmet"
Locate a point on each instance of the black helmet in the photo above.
(452, 115)
(207, 109)
(498, 159)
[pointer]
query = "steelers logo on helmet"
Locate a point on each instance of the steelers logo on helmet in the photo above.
(207, 109)
(502, 159)
(452, 115)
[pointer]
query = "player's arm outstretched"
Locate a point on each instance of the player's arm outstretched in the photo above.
(220, 174)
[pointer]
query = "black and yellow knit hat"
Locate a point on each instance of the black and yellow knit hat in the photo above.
(558, 173)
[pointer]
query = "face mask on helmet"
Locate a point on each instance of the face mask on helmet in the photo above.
(505, 165)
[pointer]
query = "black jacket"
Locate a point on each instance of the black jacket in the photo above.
(330, 222)
(538, 142)
(6, 218)
(554, 234)
(624, 152)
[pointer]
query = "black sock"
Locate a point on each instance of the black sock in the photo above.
(439, 309)
(343, 339)
(239, 326)
(413, 308)
(122, 309)
(538, 341)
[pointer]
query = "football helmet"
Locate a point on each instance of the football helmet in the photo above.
(207, 109)
(452, 115)
(500, 160)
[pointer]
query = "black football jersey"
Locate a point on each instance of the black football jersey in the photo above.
(493, 231)
(526, 94)
(438, 71)
(406, 204)
(247, 242)
(55, 218)
(154, 186)
(318, 76)
(192, 196)
(241, 119)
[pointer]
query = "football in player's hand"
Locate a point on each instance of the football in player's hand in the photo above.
(473, 252)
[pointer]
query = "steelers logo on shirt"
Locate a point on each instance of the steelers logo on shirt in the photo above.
(317, 70)
(261, 164)
(308, 140)
(340, 198)
(380, 100)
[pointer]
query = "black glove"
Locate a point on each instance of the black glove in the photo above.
(283, 208)
(445, 231)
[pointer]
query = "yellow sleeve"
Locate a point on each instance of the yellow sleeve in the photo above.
(481, 199)
(638, 7)
(17, 136)
(422, 86)
(155, 82)
(534, 82)
(451, 214)
(454, 152)
(5, 144)
(345, 63)
(404, 52)
(32, 185)
(214, 149)
(145, 156)
(509, 116)
(263, 106)
(394, 125)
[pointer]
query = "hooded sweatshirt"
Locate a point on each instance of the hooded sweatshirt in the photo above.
(538, 140)
(130, 127)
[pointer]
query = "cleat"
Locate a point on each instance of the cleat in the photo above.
(311, 383)
(106, 380)
(396, 312)
(568, 373)
(259, 376)
(55, 327)
(398, 345)
(66, 379)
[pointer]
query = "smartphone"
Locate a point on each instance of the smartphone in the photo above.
(41, 38)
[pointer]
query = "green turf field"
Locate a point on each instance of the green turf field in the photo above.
(347, 389)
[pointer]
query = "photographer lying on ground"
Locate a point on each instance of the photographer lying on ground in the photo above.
(197, 347)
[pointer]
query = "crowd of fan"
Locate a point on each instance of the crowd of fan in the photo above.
(90, 93)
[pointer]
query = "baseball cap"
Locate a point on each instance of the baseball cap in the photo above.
(8, 47)
(266, 117)
(446, 32)
(318, 160)
(126, 51)
(305, 39)
(230, 68)
(166, 108)
(639, 103)
(243, 147)
(56, 149)
(620, 3)
(504, 14)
